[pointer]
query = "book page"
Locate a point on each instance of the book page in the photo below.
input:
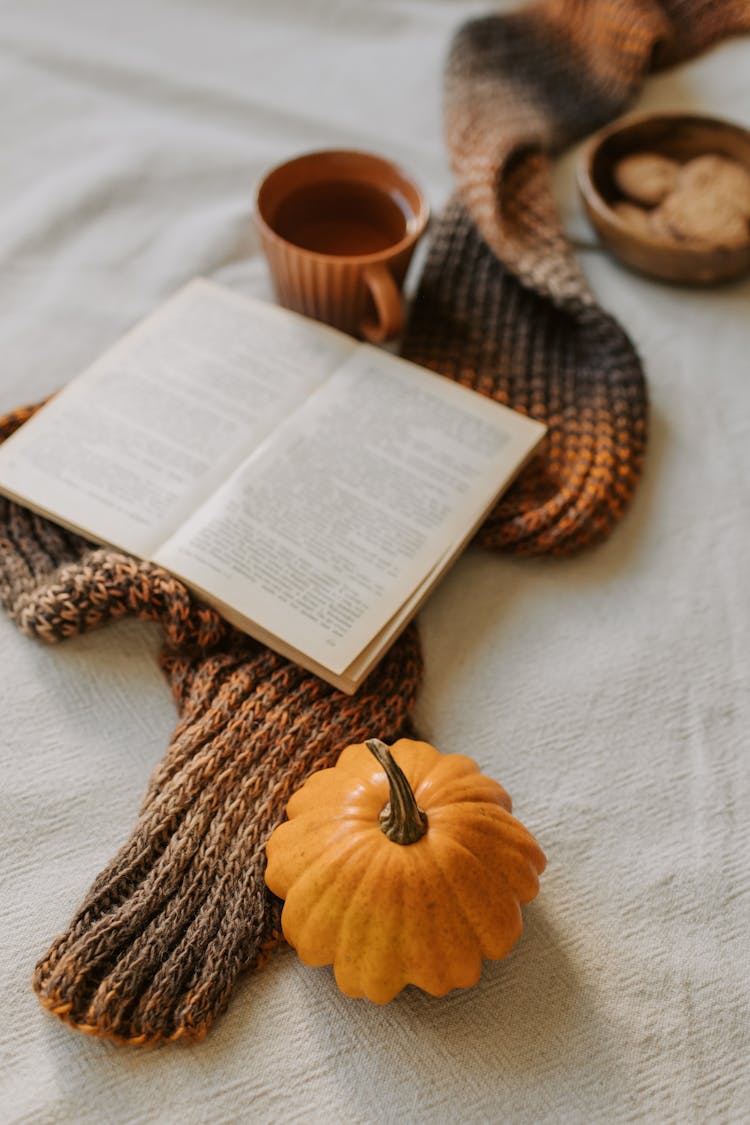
(325, 532)
(133, 445)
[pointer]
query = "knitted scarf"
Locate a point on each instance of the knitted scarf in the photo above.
(157, 944)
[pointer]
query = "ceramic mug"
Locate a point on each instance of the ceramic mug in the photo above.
(338, 229)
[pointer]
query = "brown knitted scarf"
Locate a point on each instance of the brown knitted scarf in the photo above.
(155, 948)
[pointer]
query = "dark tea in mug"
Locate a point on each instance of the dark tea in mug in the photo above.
(342, 217)
(339, 228)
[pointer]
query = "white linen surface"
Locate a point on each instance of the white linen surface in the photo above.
(608, 693)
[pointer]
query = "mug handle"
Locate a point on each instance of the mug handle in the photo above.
(389, 306)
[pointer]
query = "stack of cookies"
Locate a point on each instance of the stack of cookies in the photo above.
(705, 200)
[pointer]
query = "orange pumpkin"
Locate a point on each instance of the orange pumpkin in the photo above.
(402, 868)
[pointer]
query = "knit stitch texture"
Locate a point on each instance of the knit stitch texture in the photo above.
(155, 948)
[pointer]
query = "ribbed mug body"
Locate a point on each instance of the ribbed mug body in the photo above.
(356, 292)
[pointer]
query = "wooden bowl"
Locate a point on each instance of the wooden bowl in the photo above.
(680, 136)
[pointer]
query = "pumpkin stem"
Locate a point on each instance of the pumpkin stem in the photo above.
(401, 819)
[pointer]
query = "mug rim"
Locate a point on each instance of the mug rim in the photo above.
(421, 217)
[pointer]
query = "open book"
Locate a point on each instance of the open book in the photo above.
(313, 489)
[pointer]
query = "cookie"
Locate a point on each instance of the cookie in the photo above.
(646, 177)
(721, 177)
(700, 216)
(659, 226)
(633, 217)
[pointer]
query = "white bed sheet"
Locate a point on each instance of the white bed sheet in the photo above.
(610, 693)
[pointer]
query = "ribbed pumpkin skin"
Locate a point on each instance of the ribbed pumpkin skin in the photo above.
(387, 914)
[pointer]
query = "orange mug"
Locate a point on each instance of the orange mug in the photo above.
(338, 229)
